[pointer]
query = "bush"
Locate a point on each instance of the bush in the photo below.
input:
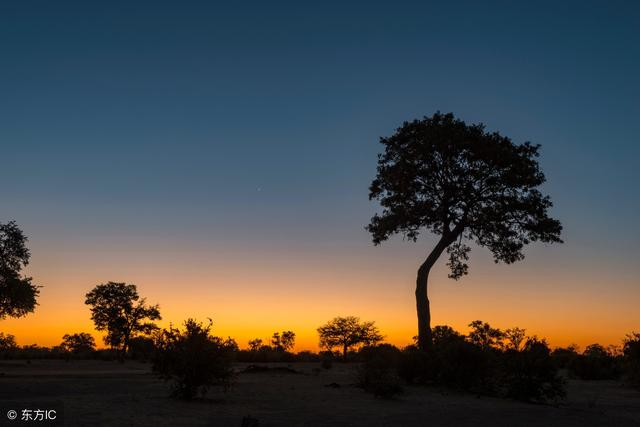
(193, 359)
(8, 346)
(265, 354)
(452, 362)
(482, 366)
(631, 351)
(530, 374)
(326, 359)
(377, 373)
(464, 366)
(77, 345)
(141, 348)
(415, 366)
(563, 358)
(596, 363)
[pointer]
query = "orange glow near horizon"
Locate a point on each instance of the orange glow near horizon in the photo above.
(251, 294)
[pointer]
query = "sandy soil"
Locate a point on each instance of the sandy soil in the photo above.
(98, 393)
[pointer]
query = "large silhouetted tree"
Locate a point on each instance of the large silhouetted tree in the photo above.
(346, 333)
(118, 309)
(463, 184)
(17, 294)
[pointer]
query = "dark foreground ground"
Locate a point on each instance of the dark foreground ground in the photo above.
(96, 393)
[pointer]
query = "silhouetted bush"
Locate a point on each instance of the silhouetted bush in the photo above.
(416, 366)
(378, 371)
(79, 345)
(463, 365)
(595, 363)
(106, 354)
(481, 365)
(452, 361)
(193, 359)
(141, 348)
(564, 357)
(265, 354)
(326, 359)
(530, 374)
(631, 351)
(8, 346)
(307, 356)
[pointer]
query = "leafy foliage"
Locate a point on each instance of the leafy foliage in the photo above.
(631, 351)
(347, 333)
(18, 295)
(377, 373)
(530, 374)
(441, 174)
(193, 359)
(514, 338)
(484, 336)
(595, 363)
(118, 309)
(7, 342)
(80, 343)
(284, 341)
(480, 363)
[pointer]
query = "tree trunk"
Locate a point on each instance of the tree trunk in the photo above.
(344, 352)
(422, 300)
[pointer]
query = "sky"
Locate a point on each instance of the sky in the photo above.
(218, 155)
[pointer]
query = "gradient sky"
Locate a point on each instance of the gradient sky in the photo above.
(219, 156)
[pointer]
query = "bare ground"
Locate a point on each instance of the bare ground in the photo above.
(97, 393)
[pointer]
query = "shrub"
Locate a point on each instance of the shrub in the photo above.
(414, 366)
(463, 365)
(8, 346)
(193, 359)
(530, 374)
(452, 362)
(377, 373)
(563, 358)
(481, 365)
(326, 359)
(141, 348)
(78, 345)
(631, 351)
(595, 363)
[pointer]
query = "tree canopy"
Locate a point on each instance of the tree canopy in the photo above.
(18, 295)
(78, 343)
(346, 333)
(118, 309)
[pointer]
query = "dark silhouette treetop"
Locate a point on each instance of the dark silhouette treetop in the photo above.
(18, 295)
(459, 181)
(14, 254)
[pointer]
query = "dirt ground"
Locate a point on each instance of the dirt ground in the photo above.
(97, 393)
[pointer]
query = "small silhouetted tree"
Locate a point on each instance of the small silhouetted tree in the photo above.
(515, 338)
(445, 334)
(484, 336)
(80, 343)
(18, 295)
(346, 333)
(193, 359)
(255, 344)
(7, 342)
(118, 309)
(461, 183)
(284, 341)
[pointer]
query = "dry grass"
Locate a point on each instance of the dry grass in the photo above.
(112, 394)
